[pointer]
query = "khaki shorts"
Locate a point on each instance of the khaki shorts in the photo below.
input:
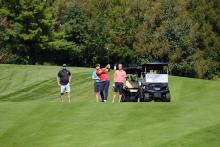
(65, 88)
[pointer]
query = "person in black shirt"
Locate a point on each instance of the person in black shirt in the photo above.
(63, 80)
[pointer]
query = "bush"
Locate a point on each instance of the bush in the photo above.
(14, 59)
(182, 69)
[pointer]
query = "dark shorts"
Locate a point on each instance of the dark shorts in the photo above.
(118, 87)
(96, 87)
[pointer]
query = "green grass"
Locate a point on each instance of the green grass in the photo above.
(31, 115)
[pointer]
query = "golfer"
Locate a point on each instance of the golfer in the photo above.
(96, 83)
(119, 82)
(63, 80)
(104, 85)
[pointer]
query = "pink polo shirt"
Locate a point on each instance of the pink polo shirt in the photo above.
(120, 76)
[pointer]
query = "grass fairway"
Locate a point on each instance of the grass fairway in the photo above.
(31, 116)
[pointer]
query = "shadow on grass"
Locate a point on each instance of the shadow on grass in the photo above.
(32, 92)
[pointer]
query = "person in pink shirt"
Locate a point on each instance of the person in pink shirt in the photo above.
(119, 82)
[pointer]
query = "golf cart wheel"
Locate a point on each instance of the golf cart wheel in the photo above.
(167, 99)
(147, 97)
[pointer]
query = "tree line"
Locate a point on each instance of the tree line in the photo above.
(185, 33)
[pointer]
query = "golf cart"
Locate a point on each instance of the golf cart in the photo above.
(132, 89)
(155, 86)
(147, 83)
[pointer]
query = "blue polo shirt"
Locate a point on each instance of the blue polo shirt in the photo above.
(94, 75)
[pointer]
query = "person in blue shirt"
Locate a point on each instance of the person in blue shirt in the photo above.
(96, 84)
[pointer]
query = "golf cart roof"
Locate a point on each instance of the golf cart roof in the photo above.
(154, 65)
(133, 70)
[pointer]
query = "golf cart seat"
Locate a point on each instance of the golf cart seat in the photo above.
(131, 91)
(131, 86)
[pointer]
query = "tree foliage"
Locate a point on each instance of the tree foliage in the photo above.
(185, 33)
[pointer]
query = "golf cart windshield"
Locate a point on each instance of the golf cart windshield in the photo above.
(155, 72)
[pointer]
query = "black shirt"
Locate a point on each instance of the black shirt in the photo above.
(64, 75)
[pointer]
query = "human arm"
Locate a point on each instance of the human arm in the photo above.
(114, 76)
(58, 78)
(103, 69)
(95, 78)
(70, 76)
(58, 81)
(125, 76)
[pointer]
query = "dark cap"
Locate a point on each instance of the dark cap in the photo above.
(64, 65)
(97, 65)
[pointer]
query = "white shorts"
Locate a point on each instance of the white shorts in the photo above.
(65, 88)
